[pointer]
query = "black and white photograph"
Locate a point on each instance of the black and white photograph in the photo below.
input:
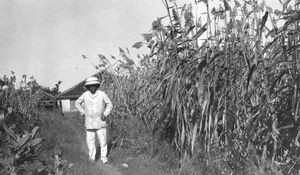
(150, 87)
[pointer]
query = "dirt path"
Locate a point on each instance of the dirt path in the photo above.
(77, 152)
(68, 133)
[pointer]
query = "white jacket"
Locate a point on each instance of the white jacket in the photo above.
(93, 106)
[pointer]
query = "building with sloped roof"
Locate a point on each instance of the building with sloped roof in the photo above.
(67, 99)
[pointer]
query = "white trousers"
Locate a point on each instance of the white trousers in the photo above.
(90, 140)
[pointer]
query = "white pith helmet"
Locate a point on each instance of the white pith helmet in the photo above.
(92, 81)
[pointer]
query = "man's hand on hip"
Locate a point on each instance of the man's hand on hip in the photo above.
(103, 117)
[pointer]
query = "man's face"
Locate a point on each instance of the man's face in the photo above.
(93, 88)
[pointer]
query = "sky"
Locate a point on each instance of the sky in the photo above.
(47, 38)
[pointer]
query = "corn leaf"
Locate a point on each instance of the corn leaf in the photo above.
(263, 23)
(23, 140)
(36, 141)
(137, 45)
(34, 131)
(200, 31)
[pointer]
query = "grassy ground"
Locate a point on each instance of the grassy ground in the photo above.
(67, 133)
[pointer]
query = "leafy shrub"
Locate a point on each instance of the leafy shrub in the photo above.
(22, 101)
(20, 148)
(18, 151)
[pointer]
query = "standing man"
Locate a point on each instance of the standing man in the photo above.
(95, 105)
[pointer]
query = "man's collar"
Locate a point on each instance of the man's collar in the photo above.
(93, 95)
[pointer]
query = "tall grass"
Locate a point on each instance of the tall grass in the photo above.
(227, 89)
(238, 89)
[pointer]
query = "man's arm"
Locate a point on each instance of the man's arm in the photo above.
(78, 103)
(108, 106)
